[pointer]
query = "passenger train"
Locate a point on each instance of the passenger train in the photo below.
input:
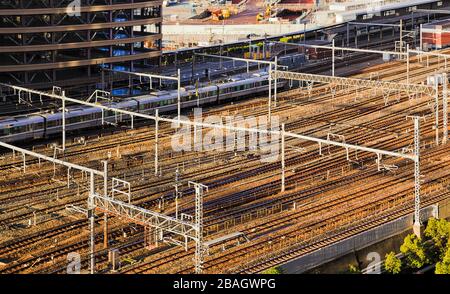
(43, 125)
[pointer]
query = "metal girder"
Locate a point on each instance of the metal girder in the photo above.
(373, 24)
(141, 74)
(145, 217)
(199, 248)
(416, 171)
(237, 58)
(77, 209)
(445, 107)
(419, 52)
(352, 82)
(50, 159)
(228, 127)
(343, 48)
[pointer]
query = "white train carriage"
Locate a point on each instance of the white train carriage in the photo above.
(36, 126)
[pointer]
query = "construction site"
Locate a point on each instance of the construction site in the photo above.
(177, 172)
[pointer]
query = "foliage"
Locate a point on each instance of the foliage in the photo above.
(392, 263)
(414, 251)
(273, 271)
(438, 230)
(443, 267)
(285, 39)
(353, 269)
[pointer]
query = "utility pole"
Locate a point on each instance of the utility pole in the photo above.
(283, 168)
(333, 58)
(193, 67)
(420, 38)
(436, 105)
(198, 259)
(348, 34)
(444, 107)
(270, 91)
(156, 140)
(417, 227)
(177, 194)
(105, 193)
(91, 217)
(179, 96)
(276, 80)
(407, 65)
(63, 96)
(401, 34)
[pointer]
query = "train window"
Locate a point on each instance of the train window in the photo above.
(439, 3)
(5, 131)
(16, 130)
(38, 126)
(389, 12)
(53, 123)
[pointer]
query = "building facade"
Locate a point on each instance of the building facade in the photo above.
(66, 43)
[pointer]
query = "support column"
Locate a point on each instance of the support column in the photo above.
(91, 223)
(63, 96)
(276, 81)
(420, 38)
(283, 168)
(332, 58)
(150, 238)
(445, 107)
(348, 35)
(270, 91)
(156, 140)
(199, 188)
(24, 159)
(193, 67)
(401, 33)
(436, 105)
(179, 96)
(407, 65)
(417, 222)
(105, 193)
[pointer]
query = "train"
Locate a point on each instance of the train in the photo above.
(78, 117)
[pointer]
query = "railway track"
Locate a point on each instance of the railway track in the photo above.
(239, 194)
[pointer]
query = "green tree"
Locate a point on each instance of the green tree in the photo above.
(392, 263)
(438, 231)
(414, 251)
(273, 271)
(443, 267)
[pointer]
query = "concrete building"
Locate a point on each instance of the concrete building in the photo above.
(65, 43)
